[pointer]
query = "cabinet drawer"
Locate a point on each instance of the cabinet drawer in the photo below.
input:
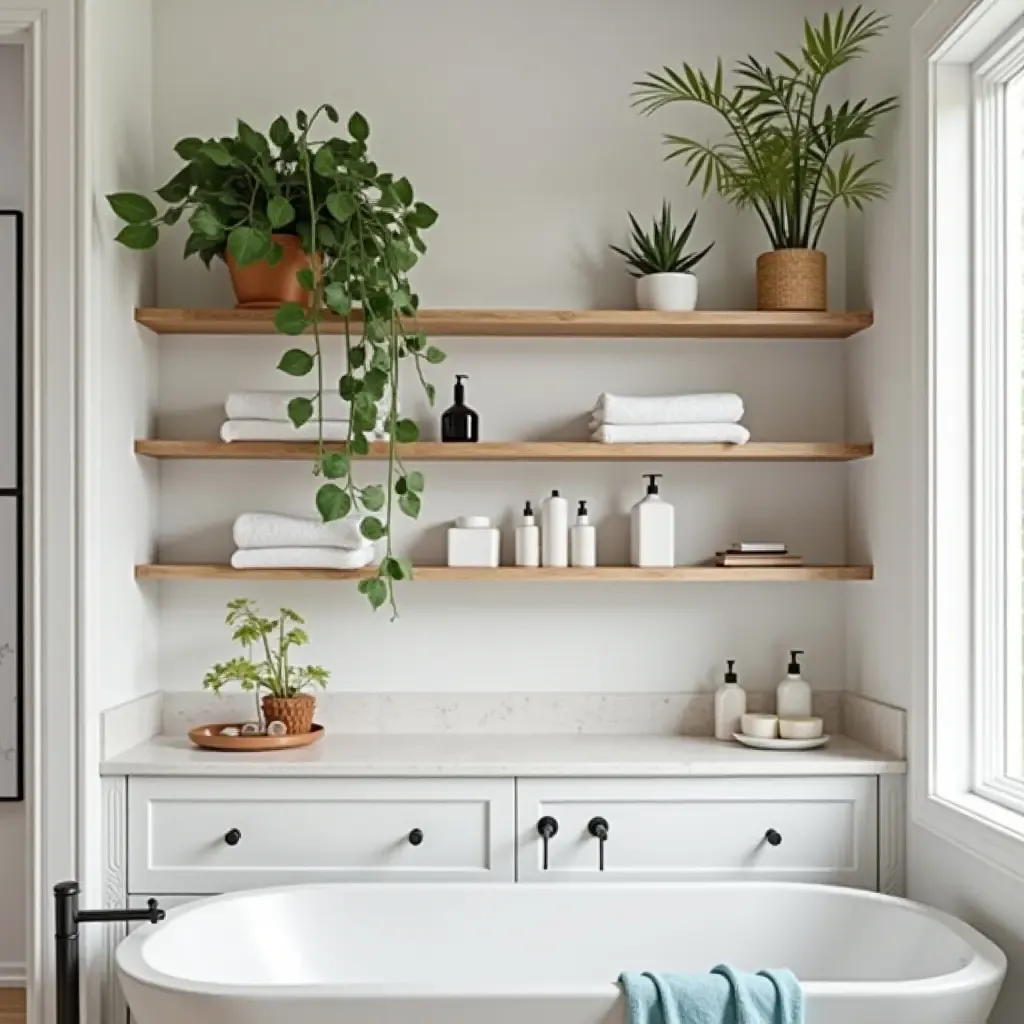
(286, 831)
(693, 829)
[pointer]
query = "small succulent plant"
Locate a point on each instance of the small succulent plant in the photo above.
(663, 251)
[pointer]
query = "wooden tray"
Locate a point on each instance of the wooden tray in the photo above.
(208, 737)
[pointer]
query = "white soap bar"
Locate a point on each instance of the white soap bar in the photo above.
(474, 548)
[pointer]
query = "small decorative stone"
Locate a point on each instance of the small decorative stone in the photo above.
(277, 729)
(230, 730)
(250, 729)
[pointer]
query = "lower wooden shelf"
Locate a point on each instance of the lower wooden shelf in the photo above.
(516, 574)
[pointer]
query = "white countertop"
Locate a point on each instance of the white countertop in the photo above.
(461, 755)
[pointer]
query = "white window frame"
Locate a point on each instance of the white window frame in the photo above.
(967, 488)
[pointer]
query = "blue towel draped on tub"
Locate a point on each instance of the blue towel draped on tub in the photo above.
(724, 996)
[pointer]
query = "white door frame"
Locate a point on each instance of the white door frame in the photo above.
(53, 305)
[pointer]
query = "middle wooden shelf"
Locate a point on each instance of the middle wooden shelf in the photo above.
(519, 451)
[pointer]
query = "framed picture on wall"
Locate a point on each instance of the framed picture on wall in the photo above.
(11, 506)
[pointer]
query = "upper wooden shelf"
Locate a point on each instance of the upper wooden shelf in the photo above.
(540, 323)
(521, 451)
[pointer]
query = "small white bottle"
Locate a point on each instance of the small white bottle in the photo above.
(730, 705)
(793, 697)
(554, 532)
(583, 540)
(653, 529)
(528, 540)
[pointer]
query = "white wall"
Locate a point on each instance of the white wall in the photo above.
(13, 871)
(515, 122)
(882, 524)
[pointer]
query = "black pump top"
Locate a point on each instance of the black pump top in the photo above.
(730, 675)
(460, 388)
(528, 510)
(652, 487)
(582, 509)
(554, 493)
(794, 665)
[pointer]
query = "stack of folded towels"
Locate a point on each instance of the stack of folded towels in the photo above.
(266, 540)
(697, 419)
(263, 416)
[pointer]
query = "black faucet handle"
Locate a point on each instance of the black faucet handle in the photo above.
(156, 915)
(232, 837)
(598, 827)
(547, 829)
(773, 838)
(416, 837)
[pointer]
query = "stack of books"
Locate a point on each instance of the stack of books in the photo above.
(757, 555)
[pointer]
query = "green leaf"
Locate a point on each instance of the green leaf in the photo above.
(280, 212)
(138, 236)
(372, 528)
(409, 503)
(403, 190)
(172, 214)
(280, 133)
(414, 481)
(296, 362)
(217, 152)
(253, 139)
(359, 445)
(423, 216)
(435, 355)
(349, 387)
(337, 299)
(188, 148)
(356, 356)
(204, 222)
(290, 319)
(334, 466)
(325, 162)
(131, 207)
(332, 113)
(178, 188)
(373, 498)
(358, 127)
(406, 432)
(333, 503)
(249, 245)
(376, 591)
(300, 410)
(397, 568)
(340, 205)
(374, 383)
(305, 279)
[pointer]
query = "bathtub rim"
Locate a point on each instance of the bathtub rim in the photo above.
(987, 965)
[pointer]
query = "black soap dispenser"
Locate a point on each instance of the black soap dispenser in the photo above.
(459, 422)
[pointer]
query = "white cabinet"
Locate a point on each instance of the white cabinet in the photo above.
(780, 829)
(202, 835)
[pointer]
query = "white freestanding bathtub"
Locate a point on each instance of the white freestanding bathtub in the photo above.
(544, 954)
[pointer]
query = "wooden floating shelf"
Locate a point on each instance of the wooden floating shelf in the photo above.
(539, 323)
(519, 451)
(512, 574)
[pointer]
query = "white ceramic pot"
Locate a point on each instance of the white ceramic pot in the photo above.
(667, 292)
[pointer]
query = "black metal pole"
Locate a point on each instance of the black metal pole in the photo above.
(65, 896)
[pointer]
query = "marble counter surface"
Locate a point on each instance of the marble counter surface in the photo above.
(494, 755)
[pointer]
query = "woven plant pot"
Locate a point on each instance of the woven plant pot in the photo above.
(295, 712)
(792, 279)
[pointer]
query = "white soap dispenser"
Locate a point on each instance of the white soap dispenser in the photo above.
(583, 540)
(653, 529)
(730, 705)
(528, 540)
(554, 532)
(793, 697)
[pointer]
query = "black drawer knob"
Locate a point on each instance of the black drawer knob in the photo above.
(772, 838)
(232, 837)
(416, 836)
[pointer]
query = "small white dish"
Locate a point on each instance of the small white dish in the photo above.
(763, 727)
(809, 728)
(763, 744)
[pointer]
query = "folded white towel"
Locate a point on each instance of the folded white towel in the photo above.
(273, 405)
(626, 410)
(270, 530)
(282, 430)
(303, 558)
(685, 433)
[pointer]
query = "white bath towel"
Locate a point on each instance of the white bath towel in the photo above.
(303, 558)
(282, 430)
(682, 433)
(273, 405)
(271, 530)
(631, 410)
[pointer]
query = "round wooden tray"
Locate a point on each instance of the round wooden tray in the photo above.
(208, 737)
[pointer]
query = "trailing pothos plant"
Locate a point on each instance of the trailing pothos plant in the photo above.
(365, 228)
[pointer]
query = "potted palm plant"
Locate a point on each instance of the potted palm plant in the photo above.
(787, 154)
(661, 265)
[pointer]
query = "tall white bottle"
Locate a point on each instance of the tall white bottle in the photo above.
(528, 540)
(583, 540)
(793, 697)
(554, 532)
(730, 705)
(652, 531)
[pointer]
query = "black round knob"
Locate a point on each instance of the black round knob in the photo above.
(547, 826)
(232, 836)
(772, 838)
(416, 836)
(598, 828)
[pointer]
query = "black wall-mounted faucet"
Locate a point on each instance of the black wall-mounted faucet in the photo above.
(598, 828)
(547, 829)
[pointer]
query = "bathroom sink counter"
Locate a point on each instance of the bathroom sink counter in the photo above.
(482, 756)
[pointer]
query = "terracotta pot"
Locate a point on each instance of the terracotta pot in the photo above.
(295, 712)
(792, 279)
(262, 286)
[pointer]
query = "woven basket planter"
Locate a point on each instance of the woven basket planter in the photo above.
(792, 279)
(295, 712)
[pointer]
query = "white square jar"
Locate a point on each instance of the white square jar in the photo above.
(473, 543)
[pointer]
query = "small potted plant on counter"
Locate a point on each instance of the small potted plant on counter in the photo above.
(661, 265)
(266, 669)
(787, 153)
